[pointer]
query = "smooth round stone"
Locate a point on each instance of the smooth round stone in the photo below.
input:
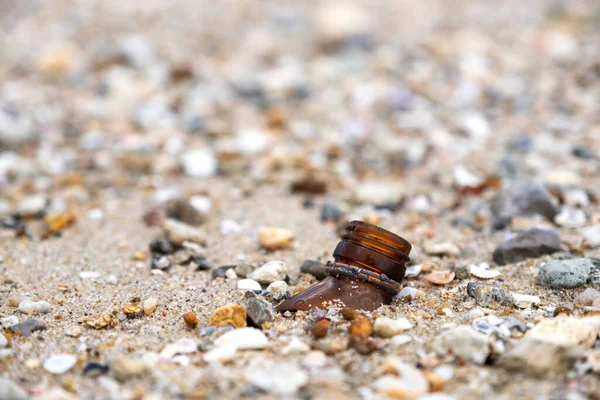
(248, 284)
(58, 364)
(40, 307)
(15, 300)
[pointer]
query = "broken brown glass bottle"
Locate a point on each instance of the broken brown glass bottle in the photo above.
(370, 263)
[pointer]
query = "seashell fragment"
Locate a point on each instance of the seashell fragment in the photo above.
(483, 273)
(440, 277)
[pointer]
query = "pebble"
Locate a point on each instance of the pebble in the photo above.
(441, 249)
(199, 163)
(58, 222)
(273, 238)
(331, 212)
(278, 378)
(161, 246)
(269, 272)
(125, 368)
(182, 346)
(15, 300)
(295, 346)
(567, 331)
(9, 321)
(278, 290)
(73, 331)
(566, 274)
(3, 341)
(231, 314)
(570, 217)
(487, 295)
(28, 326)
(531, 243)
(95, 369)
(387, 327)
(401, 380)
(587, 297)
(160, 263)
(89, 274)
(131, 310)
(540, 358)
(399, 340)
(248, 284)
(9, 390)
(191, 319)
(244, 339)
(191, 211)
(408, 292)
(220, 272)
(230, 274)
(320, 328)
(524, 300)
(379, 193)
(58, 364)
(314, 268)
(228, 226)
(32, 206)
(177, 232)
(522, 199)
(463, 342)
(591, 234)
(361, 326)
(259, 311)
(339, 24)
(37, 307)
(98, 321)
(149, 305)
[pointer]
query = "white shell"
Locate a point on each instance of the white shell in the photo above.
(524, 300)
(413, 270)
(483, 273)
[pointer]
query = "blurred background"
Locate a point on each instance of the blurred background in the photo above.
(285, 91)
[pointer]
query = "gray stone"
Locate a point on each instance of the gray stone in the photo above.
(27, 327)
(540, 358)
(330, 212)
(314, 268)
(258, 310)
(487, 295)
(523, 198)
(531, 243)
(9, 390)
(463, 342)
(567, 274)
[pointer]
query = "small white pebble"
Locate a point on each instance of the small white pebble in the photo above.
(89, 274)
(248, 284)
(149, 305)
(59, 363)
(230, 274)
(408, 291)
(40, 307)
(230, 226)
(9, 321)
(278, 290)
(401, 339)
(73, 331)
(296, 346)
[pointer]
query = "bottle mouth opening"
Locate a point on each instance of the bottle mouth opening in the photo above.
(378, 239)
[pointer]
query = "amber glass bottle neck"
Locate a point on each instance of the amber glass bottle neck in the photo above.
(367, 246)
